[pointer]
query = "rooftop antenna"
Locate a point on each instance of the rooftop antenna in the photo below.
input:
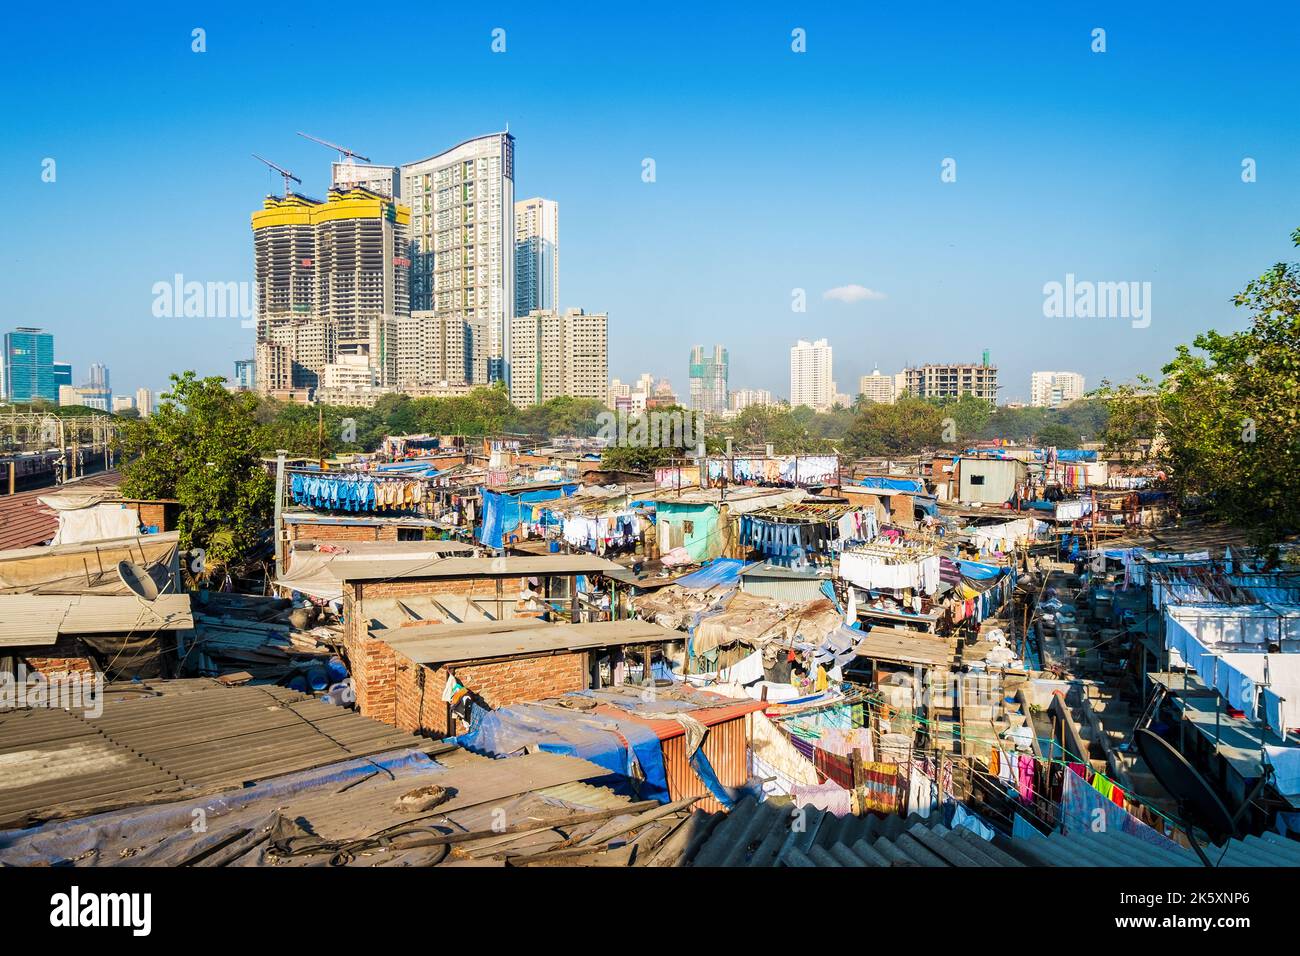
(138, 581)
(282, 171)
(345, 154)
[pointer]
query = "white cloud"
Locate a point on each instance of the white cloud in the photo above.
(853, 293)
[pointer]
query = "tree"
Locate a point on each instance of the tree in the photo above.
(903, 428)
(1057, 435)
(201, 448)
(1229, 412)
(1132, 415)
(970, 416)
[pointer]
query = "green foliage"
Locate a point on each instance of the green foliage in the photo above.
(1133, 414)
(1057, 435)
(1229, 412)
(903, 428)
(201, 448)
(797, 431)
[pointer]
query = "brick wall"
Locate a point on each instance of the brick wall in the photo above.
(388, 685)
(354, 625)
(342, 532)
(418, 705)
(65, 656)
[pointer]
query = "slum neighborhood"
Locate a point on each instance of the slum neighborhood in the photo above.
(485, 652)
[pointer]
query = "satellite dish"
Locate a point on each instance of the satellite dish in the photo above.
(1198, 804)
(138, 581)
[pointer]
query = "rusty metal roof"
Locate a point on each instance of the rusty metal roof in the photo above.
(165, 740)
(25, 522)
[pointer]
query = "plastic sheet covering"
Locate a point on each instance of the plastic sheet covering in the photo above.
(100, 522)
(888, 486)
(597, 738)
(86, 839)
(502, 510)
(718, 572)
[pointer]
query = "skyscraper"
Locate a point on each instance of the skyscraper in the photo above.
(1054, 389)
(708, 380)
(332, 280)
(556, 355)
(144, 402)
(462, 241)
(537, 255)
(811, 379)
(27, 369)
(62, 373)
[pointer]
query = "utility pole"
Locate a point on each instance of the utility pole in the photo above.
(279, 508)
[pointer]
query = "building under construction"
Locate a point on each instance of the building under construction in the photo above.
(332, 279)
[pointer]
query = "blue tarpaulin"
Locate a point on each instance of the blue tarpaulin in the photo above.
(502, 510)
(978, 571)
(1075, 454)
(597, 738)
(718, 572)
(885, 486)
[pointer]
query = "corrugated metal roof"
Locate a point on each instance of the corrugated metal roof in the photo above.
(755, 834)
(443, 643)
(28, 620)
(38, 619)
(160, 740)
(25, 522)
(514, 566)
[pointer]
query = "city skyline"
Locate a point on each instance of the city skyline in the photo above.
(893, 246)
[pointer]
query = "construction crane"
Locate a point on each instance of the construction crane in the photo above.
(282, 171)
(345, 154)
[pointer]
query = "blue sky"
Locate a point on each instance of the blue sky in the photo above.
(775, 170)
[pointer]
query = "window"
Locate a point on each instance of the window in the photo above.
(977, 479)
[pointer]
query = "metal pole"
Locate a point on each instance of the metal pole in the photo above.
(277, 538)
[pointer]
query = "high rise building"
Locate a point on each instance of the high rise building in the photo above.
(144, 402)
(620, 396)
(332, 279)
(273, 367)
(350, 371)
(462, 241)
(62, 373)
(877, 388)
(1054, 389)
(433, 350)
(244, 373)
(537, 255)
(811, 380)
(557, 354)
(27, 367)
(380, 180)
(708, 380)
(123, 403)
(953, 381)
(743, 398)
(98, 391)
